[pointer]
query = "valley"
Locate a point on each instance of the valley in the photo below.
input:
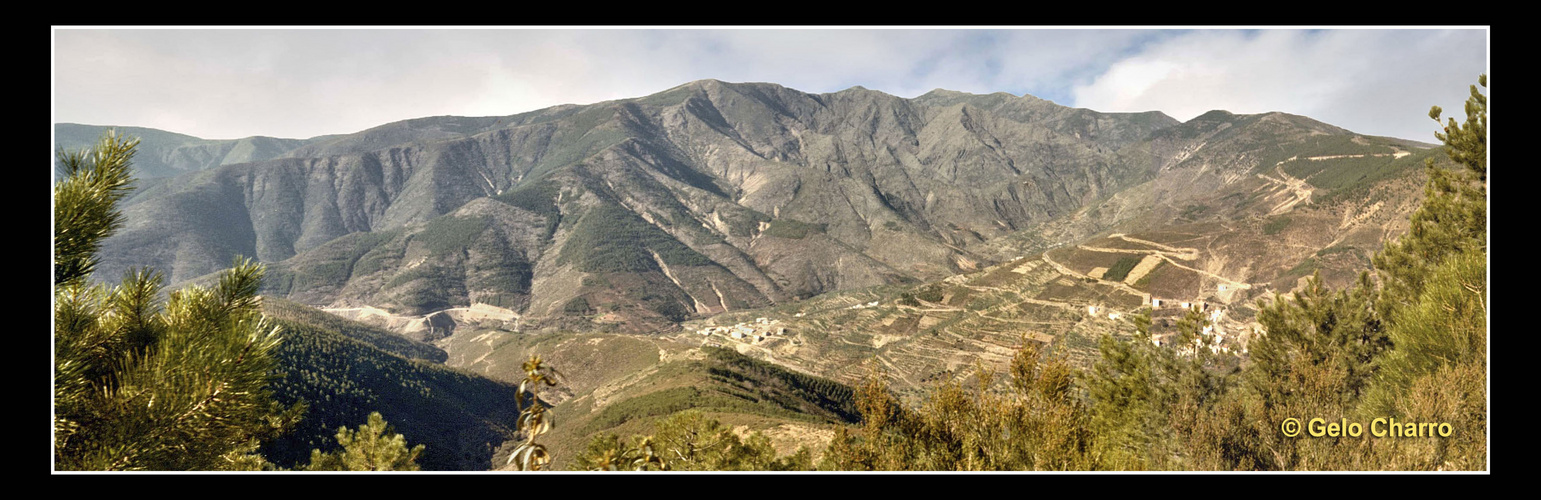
(754, 252)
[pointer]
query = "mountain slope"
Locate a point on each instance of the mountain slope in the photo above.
(635, 214)
(345, 370)
(752, 191)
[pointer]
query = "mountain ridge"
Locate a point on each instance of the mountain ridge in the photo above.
(773, 193)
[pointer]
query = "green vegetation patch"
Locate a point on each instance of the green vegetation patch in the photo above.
(1121, 269)
(609, 238)
(1305, 267)
(538, 197)
(450, 234)
(324, 273)
(1275, 225)
(1336, 250)
(578, 306)
(792, 229)
(1345, 183)
(344, 370)
(497, 267)
(1193, 211)
(1317, 145)
(334, 263)
(930, 293)
(429, 287)
(743, 223)
(1144, 281)
(374, 259)
(738, 384)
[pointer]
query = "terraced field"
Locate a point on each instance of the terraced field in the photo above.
(980, 318)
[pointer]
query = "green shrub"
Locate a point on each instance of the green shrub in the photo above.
(578, 306)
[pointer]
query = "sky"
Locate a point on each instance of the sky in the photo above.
(303, 82)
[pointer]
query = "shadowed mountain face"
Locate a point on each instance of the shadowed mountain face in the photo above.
(707, 197)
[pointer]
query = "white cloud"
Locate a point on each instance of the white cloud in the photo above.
(1379, 82)
(300, 83)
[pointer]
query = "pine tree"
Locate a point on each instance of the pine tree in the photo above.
(1123, 393)
(374, 447)
(1435, 300)
(1453, 217)
(1040, 424)
(689, 441)
(142, 383)
(85, 204)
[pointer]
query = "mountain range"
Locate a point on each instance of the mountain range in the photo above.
(704, 198)
(924, 235)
